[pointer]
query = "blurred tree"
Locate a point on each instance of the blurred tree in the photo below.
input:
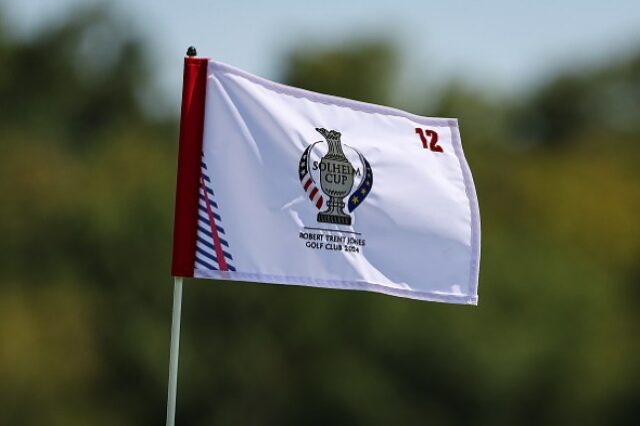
(557, 111)
(73, 82)
(361, 70)
(573, 104)
(84, 177)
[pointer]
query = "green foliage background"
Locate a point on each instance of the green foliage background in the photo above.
(87, 184)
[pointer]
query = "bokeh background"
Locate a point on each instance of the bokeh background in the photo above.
(548, 97)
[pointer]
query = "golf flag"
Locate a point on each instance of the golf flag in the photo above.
(282, 185)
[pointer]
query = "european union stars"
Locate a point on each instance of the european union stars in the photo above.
(363, 190)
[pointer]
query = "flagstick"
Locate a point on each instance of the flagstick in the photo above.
(175, 349)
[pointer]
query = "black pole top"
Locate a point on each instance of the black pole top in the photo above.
(191, 51)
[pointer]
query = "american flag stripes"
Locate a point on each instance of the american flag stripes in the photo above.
(310, 189)
(212, 249)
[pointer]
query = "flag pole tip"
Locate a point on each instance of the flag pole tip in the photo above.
(191, 51)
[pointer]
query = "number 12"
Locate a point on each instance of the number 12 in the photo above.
(429, 139)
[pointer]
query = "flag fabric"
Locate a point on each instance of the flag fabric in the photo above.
(282, 185)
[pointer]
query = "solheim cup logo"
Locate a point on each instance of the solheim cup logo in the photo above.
(334, 169)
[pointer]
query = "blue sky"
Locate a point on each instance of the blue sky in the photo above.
(507, 45)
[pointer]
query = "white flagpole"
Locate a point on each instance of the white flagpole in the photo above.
(175, 349)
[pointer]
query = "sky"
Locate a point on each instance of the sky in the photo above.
(504, 45)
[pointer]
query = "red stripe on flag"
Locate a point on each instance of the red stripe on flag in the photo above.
(190, 148)
(307, 184)
(313, 193)
(222, 262)
(319, 203)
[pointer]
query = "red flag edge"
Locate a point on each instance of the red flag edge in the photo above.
(189, 154)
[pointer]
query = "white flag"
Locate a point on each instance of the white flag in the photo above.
(302, 188)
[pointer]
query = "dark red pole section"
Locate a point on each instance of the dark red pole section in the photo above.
(191, 127)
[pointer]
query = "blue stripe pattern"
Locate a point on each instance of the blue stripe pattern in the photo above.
(206, 257)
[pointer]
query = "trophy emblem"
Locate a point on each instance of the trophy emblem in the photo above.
(336, 179)
(334, 175)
